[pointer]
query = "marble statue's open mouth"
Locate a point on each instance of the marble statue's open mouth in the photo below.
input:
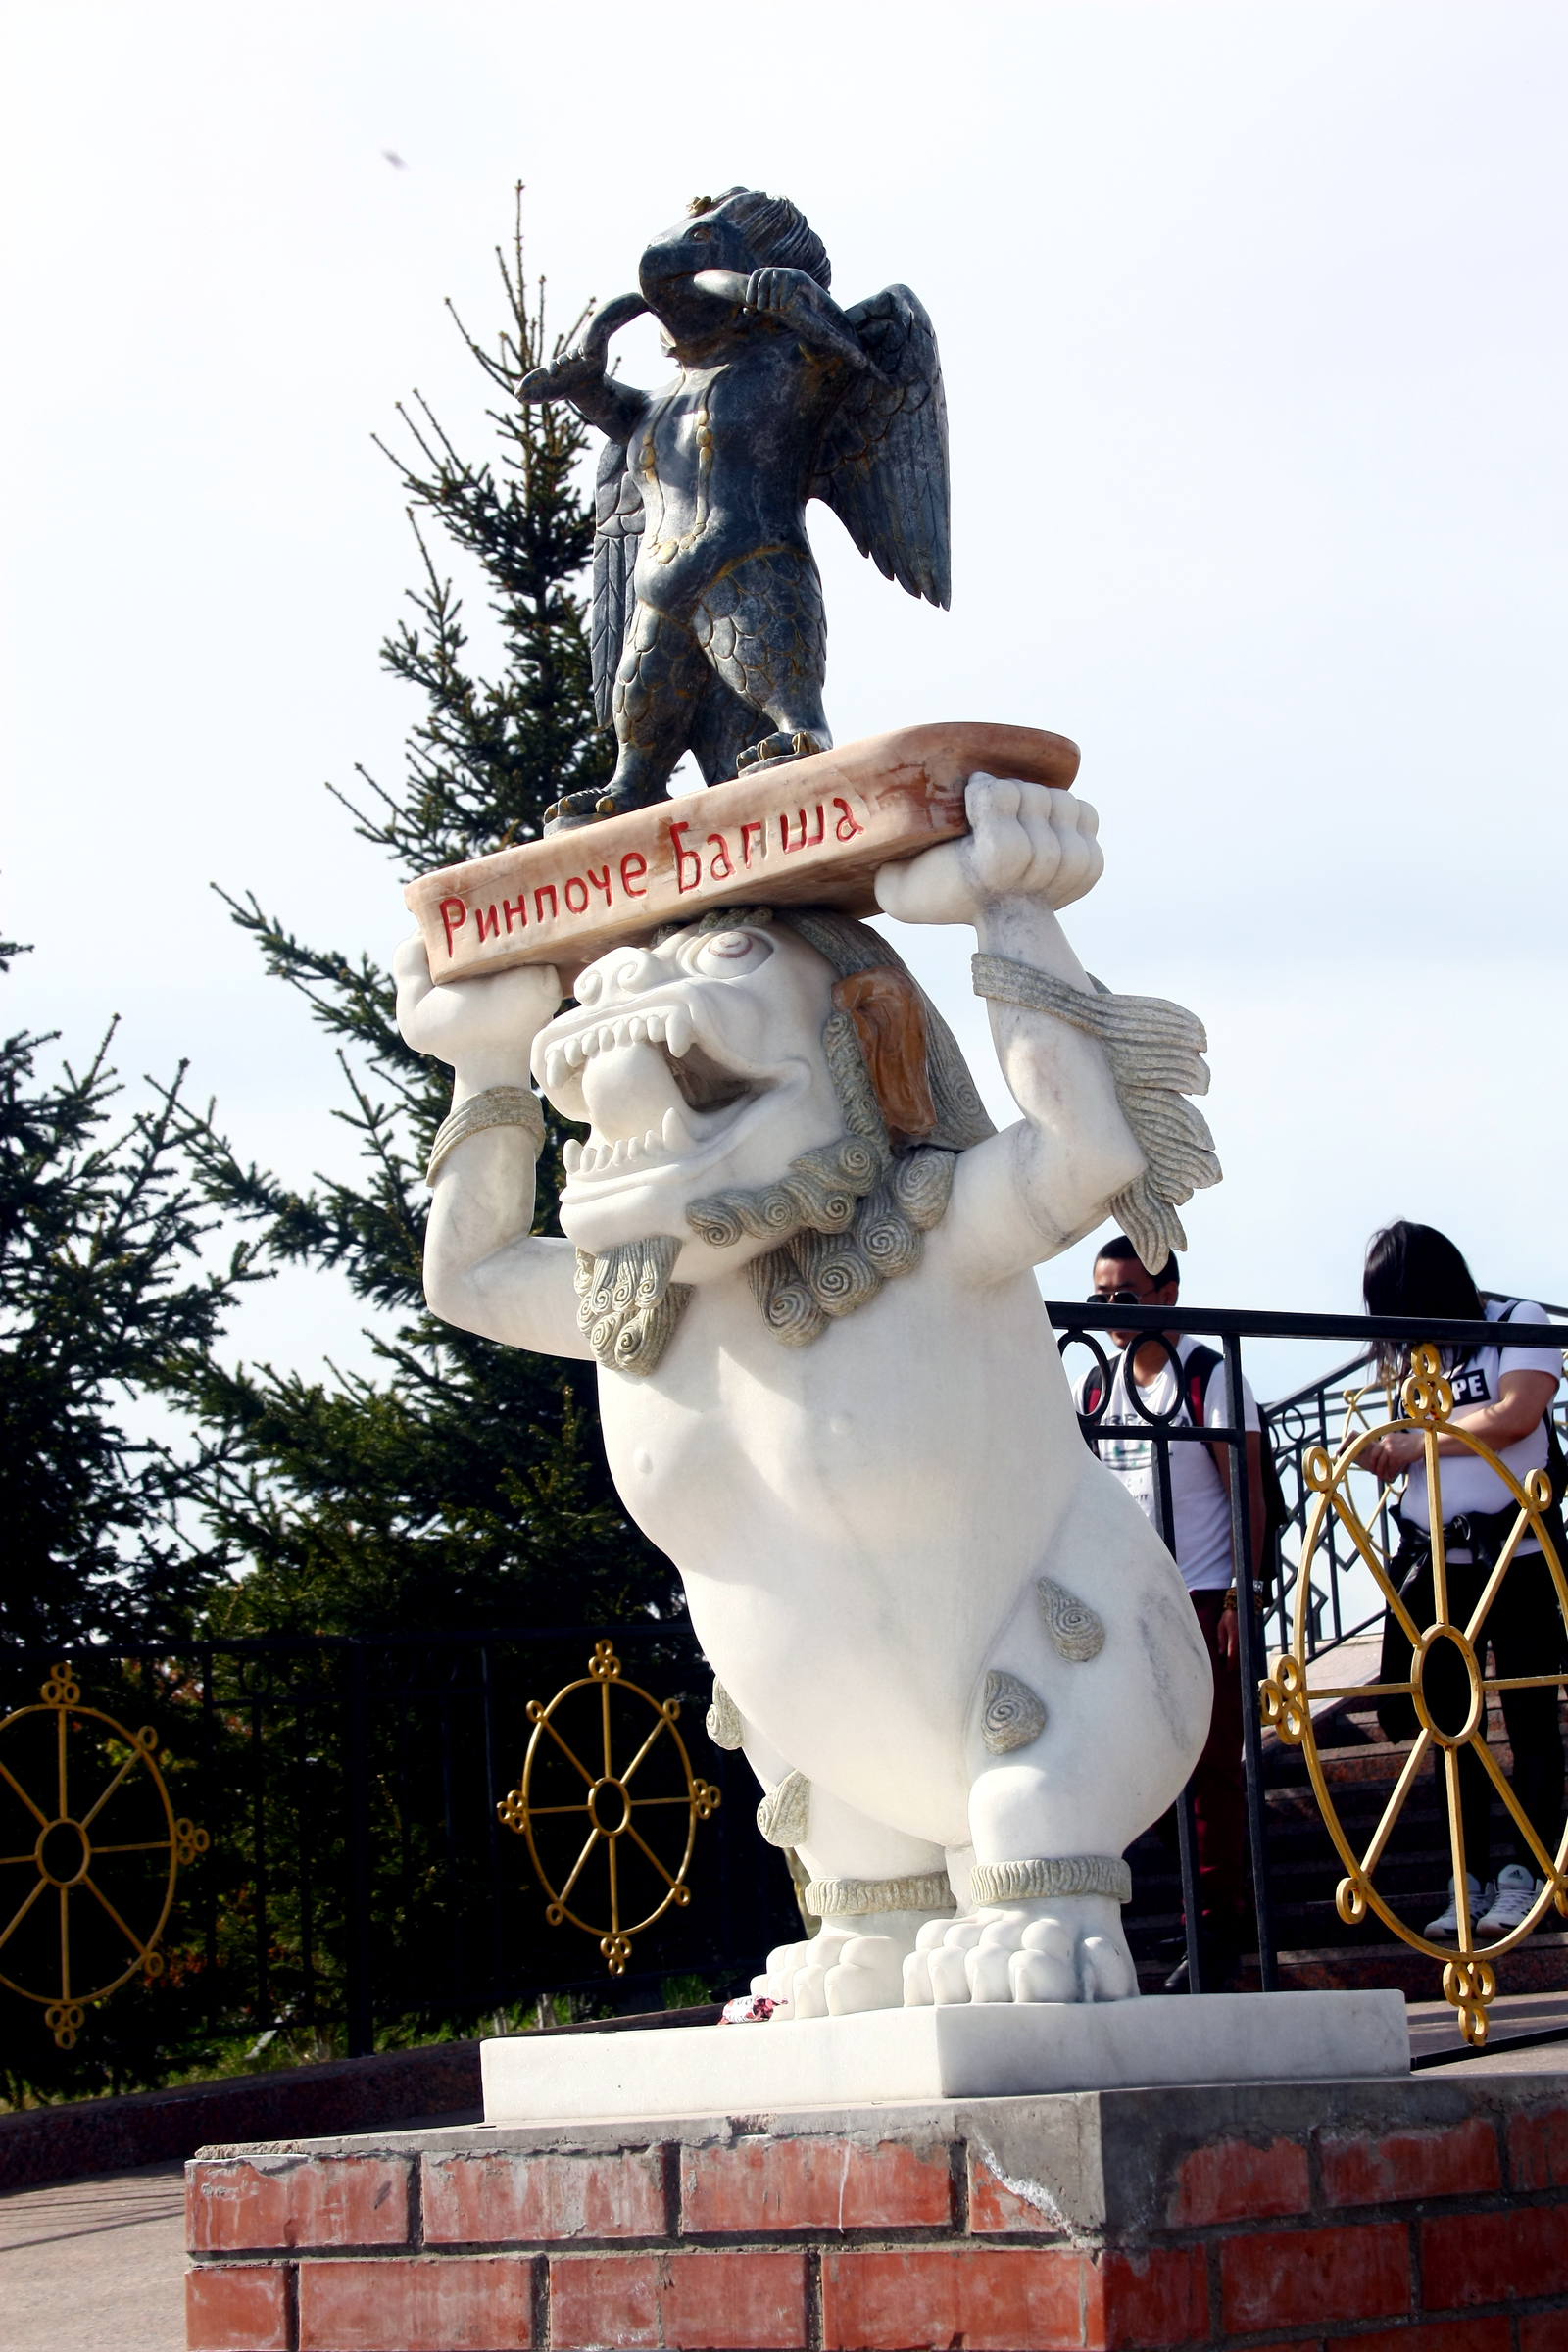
(652, 1092)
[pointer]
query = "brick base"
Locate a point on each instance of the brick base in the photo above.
(1422, 2215)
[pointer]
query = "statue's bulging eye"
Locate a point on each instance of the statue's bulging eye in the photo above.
(724, 950)
(588, 986)
(702, 236)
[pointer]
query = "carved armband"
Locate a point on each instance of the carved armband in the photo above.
(1154, 1053)
(497, 1106)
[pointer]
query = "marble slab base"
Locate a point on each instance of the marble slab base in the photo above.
(987, 2052)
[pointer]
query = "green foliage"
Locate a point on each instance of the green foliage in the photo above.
(101, 1299)
(464, 1486)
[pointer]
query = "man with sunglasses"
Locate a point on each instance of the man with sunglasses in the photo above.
(1182, 1386)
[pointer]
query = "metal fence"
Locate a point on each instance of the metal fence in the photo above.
(356, 1876)
(1343, 1600)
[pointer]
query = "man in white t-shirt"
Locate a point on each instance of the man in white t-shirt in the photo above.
(1199, 1535)
(1501, 1395)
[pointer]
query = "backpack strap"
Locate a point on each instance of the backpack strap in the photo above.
(1202, 1366)
(1095, 1385)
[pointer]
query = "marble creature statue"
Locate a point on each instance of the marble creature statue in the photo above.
(707, 630)
(960, 1663)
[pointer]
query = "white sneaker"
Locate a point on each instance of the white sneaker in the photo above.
(1517, 1889)
(1448, 1921)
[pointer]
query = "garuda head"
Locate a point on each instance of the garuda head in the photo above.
(741, 230)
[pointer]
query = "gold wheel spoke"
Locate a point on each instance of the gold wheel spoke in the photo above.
(1489, 1594)
(6, 1860)
(614, 1876)
(1523, 1682)
(37, 1812)
(652, 1856)
(1364, 1544)
(1516, 1814)
(1395, 1804)
(144, 1845)
(549, 1727)
(642, 1803)
(534, 1811)
(659, 1727)
(61, 1744)
(128, 1765)
(1359, 1691)
(128, 1934)
(1439, 1555)
(18, 1916)
(1462, 1890)
(594, 1835)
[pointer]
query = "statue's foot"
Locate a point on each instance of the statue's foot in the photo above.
(1067, 1948)
(797, 745)
(590, 808)
(849, 1965)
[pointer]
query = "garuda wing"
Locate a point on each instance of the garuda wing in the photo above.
(619, 524)
(883, 463)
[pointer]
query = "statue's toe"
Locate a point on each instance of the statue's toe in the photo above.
(949, 1979)
(1037, 1977)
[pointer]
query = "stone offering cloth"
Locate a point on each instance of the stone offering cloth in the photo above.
(811, 831)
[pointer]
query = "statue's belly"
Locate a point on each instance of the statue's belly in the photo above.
(853, 1521)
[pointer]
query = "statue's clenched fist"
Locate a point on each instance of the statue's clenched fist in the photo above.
(1026, 841)
(491, 1021)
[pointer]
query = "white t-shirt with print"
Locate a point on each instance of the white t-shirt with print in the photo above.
(1466, 1482)
(1200, 1500)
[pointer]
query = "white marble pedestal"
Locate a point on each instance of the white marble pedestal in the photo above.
(990, 2051)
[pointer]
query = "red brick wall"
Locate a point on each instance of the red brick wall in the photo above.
(1399, 2237)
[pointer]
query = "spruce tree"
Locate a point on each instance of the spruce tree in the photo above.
(465, 1485)
(103, 1303)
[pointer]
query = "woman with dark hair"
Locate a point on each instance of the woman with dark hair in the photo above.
(1502, 1396)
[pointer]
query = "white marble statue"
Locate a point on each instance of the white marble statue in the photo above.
(958, 1660)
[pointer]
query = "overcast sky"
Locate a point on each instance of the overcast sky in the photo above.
(1252, 324)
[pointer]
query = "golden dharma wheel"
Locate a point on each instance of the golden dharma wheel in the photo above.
(1469, 1977)
(91, 1849)
(599, 1844)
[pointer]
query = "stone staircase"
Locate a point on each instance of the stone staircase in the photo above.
(1316, 1949)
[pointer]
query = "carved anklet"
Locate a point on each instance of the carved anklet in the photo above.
(857, 1898)
(993, 1883)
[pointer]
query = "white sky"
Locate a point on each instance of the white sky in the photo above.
(1252, 324)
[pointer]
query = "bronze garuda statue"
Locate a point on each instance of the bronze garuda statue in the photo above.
(709, 633)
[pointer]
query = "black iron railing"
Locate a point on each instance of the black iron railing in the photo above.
(357, 1878)
(1344, 1602)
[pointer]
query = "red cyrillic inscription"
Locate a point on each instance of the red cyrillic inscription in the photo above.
(684, 858)
(846, 829)
(520, 908)
(494, 918)
(601, 881)
(576, 905)
(454, 914)
(546, 890)
(789, 847)
(633, 866)
(720, 846)
(746, 843)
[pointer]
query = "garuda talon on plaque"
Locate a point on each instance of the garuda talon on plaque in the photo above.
(709, 633)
